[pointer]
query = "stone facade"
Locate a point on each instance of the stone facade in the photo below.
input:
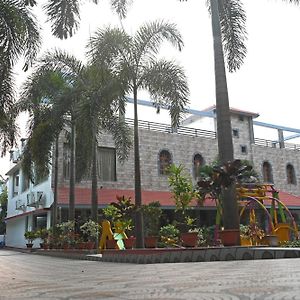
(185, 144)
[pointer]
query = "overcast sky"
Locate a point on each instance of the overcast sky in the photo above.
(267, 83)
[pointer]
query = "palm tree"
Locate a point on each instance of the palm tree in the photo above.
(40, 95)
(133, 57)
(71, 70)
(64, 70)
(102, 96)
(19, 37)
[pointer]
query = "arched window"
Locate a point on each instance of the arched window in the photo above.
(198, 163)
(165, 160)
(267, 172)
(290, 174)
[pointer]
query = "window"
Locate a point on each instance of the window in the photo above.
(66, 161)
(267, 172)
(235, 133)
(39, 222)
(241, 118)
(198, 163)
(290, 174)
(106, 164)
(165, 160)
(16, 183)
(243, 149)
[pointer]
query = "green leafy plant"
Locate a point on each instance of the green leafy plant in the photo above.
(183, 192)
(169, 235)
(30, 236)
(152, 214)
(120, 213)
(67, 230)
(43, 234)
(90, 230)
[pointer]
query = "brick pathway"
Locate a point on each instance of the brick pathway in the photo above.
(29, 276)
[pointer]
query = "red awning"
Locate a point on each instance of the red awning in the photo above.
(34, 212)
(106, 196)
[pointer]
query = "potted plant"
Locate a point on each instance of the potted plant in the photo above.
(245, 235)
(169, 235)
(120, 214)
(30, 236)
(214, 180)
(67, 230)
(183, 193)
(43, 234)
(152, 214)
(90, 231)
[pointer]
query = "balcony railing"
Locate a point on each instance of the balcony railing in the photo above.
(273, 144)
(159, 127)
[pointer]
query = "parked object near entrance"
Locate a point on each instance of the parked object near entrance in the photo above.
(30, 236)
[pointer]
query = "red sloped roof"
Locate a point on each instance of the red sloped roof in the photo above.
(106, 196)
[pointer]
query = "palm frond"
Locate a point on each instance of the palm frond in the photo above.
(122, 136)
(168, 87)
(19, 34)
(64, 16)
(297, 2)
(120, 7)
(150, 36)
(61, 61)
(8, 130)
(7, 91)
(234, 34)
(108, 45)
(30, 2)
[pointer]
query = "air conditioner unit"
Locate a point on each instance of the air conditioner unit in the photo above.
(41, 198)
(20, 205)
(16, 156)
(31, 199)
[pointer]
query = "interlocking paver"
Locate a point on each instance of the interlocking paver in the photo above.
(29, 276)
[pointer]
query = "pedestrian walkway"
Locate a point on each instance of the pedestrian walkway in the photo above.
(25, 276)
(175, 255)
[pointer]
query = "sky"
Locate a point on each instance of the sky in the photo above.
(267, 83)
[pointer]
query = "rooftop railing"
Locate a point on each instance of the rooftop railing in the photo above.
(275, 144)
(159, 127)
(195, 132)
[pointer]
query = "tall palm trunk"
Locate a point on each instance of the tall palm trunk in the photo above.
(139, 230)
(55, 196)
(94, 210)
(224, 132)
(72, 174)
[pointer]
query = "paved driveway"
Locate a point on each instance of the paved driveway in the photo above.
(30, 276)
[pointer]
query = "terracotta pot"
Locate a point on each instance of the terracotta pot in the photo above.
(230, 237)
(271, 240)
(66, 246)
(130, 242)
(189, 239)
(111, 244)
(246, 241)
(151, 241)
(81, 245)
(90, 245)
(45, 246)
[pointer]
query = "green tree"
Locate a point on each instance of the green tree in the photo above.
(19, 38)
(41, 97)
(134, 58)
(101, 99)
(3, 210)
